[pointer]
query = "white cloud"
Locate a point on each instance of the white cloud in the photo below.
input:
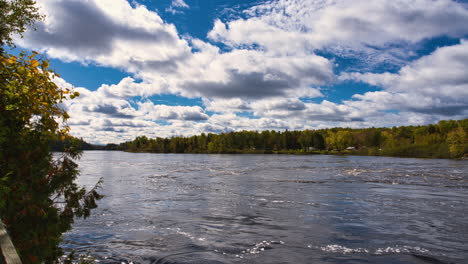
(179, 3)
(227, 105)
(348, 28)
(436, 83)
(268, 68)
(128, 87)
(139, 41)
(108, 32)
(210, 73)
(166, 112)
(176, 5)
(251, 74)
(98, 117)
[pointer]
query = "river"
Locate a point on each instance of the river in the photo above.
(183, 208)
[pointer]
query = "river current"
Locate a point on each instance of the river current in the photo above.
(182, 208)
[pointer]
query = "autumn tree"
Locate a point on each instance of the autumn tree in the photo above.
(15, 17)
(39, 198)
(458, 142)
(344, 139)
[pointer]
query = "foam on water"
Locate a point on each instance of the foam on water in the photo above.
(378, 251)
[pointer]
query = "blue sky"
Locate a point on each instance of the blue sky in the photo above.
(184, 67)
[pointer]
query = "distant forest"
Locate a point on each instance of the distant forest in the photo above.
(446, 139)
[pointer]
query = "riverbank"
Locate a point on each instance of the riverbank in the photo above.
(414, 153)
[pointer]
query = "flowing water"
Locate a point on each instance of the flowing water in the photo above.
(181, 208)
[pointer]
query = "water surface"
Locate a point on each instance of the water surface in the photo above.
(180, 208)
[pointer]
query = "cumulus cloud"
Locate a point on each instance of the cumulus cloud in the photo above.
(128, 87)
(436, 83)
(144, 45)
(253, 73)
(232, 122)
(227, 105)
(305, 113)
(98, 117)
(107, 32)
(346, 28)
(166, 112)
(109, 110)
(268, 69)
(277, 105)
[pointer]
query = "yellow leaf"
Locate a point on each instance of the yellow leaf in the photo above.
(12, 60)
(21, 70)
(34, 63)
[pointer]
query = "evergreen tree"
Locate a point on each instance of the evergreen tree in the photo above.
(38, 194)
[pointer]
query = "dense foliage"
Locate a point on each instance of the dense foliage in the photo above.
(39, 197)
(58, 144)
(447, 139)
(38, 194)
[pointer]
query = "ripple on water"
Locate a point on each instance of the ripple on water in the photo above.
(236, 208)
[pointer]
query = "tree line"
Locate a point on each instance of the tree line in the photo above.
(58, 144)
(446, 139)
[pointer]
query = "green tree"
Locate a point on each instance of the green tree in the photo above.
(389, 141)
(331, 140)
(410, 141)
(40, 196)
(211, 147)
(344, 139)
(15, 17)
(318, 141)
(445, 126)
(306, 139)
(457, 140)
